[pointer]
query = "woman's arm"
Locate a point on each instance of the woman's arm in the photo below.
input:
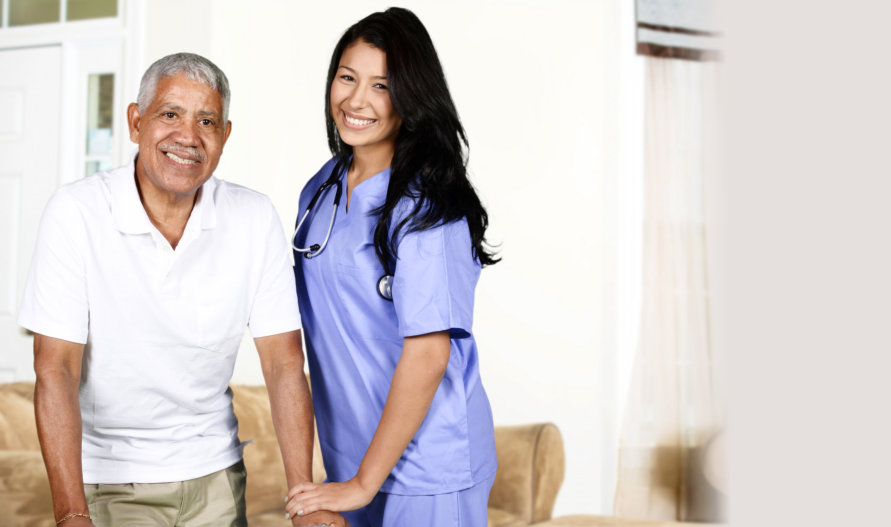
(417, 376)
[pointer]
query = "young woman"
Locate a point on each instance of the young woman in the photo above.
(389, 244)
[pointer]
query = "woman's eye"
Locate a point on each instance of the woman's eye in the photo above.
(381, 86)
(347, 77)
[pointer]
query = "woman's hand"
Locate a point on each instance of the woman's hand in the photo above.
(307, 498)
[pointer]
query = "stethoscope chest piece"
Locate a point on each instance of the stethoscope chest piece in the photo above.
(385, 287)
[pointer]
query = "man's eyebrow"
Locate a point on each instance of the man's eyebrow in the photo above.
(179, 109)
(171, 107)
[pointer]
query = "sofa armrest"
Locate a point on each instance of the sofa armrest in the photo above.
(531, 465)
(18, 427)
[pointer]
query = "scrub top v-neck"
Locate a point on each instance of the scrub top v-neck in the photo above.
(354, 339)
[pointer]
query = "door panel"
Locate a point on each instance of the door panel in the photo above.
(30, 90)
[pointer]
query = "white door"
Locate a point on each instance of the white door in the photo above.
(30, 89)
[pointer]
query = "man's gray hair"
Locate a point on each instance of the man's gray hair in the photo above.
(194, 67)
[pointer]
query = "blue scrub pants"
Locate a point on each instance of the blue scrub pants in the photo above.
(464, 508)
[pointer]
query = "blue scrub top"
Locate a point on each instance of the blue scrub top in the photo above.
(354, 340)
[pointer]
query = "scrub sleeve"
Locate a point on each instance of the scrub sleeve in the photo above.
(434, 281)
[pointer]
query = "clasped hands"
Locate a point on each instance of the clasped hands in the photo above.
(306, 498)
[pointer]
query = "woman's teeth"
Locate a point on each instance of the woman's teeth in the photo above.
(357, 122)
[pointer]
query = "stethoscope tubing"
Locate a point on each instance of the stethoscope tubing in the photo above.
(315, 249)
(384, 284)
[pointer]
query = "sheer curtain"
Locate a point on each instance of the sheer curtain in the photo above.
(674, 412)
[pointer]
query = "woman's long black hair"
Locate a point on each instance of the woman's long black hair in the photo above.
(428, 163)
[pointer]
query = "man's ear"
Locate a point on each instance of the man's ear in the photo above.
(227, 132)
(133, 117)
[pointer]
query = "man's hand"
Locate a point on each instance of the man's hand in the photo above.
(307, 498)
(327, 518)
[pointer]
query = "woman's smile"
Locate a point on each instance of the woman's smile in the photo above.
(355, 121)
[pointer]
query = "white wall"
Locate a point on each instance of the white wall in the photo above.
(545, 91)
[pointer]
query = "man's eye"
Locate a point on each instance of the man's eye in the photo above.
(169, 115)
(206, 122)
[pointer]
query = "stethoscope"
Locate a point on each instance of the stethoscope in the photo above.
(385, 282)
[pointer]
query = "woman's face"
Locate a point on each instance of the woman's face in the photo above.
(360, 100)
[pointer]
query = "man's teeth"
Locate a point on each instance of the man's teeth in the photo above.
(180, 160)
(358, 122)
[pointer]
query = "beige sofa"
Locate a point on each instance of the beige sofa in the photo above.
(530, 469)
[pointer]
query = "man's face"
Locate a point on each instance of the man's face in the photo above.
(180, 136)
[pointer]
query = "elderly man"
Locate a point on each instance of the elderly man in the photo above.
(142, 283)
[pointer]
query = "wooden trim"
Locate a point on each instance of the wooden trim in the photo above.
(680, 30)
(670, 52)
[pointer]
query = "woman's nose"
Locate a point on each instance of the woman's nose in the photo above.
(357, 98)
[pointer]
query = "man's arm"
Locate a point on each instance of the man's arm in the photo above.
(281, 357)
(57, 364)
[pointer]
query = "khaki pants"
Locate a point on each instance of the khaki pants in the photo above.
(213, 500)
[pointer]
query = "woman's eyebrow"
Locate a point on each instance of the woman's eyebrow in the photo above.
(384, 77)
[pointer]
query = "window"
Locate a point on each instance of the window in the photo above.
(84, 9)
(28, 12)
(100, 129)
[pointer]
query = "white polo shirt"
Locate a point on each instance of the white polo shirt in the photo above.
(162, 327)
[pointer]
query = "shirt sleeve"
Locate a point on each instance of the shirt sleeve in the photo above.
(275, 308)
(434, 281)
(55, 302)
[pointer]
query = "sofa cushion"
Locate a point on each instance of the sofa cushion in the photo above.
(500, 518)
(269, 519)
(590, 520)
(25, 497)
(266, 482)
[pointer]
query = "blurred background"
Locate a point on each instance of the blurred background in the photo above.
(594, 150)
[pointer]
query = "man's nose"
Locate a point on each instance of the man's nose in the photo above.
(187, 132)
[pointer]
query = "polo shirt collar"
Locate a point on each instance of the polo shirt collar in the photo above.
(129, 215)
(205, 208)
